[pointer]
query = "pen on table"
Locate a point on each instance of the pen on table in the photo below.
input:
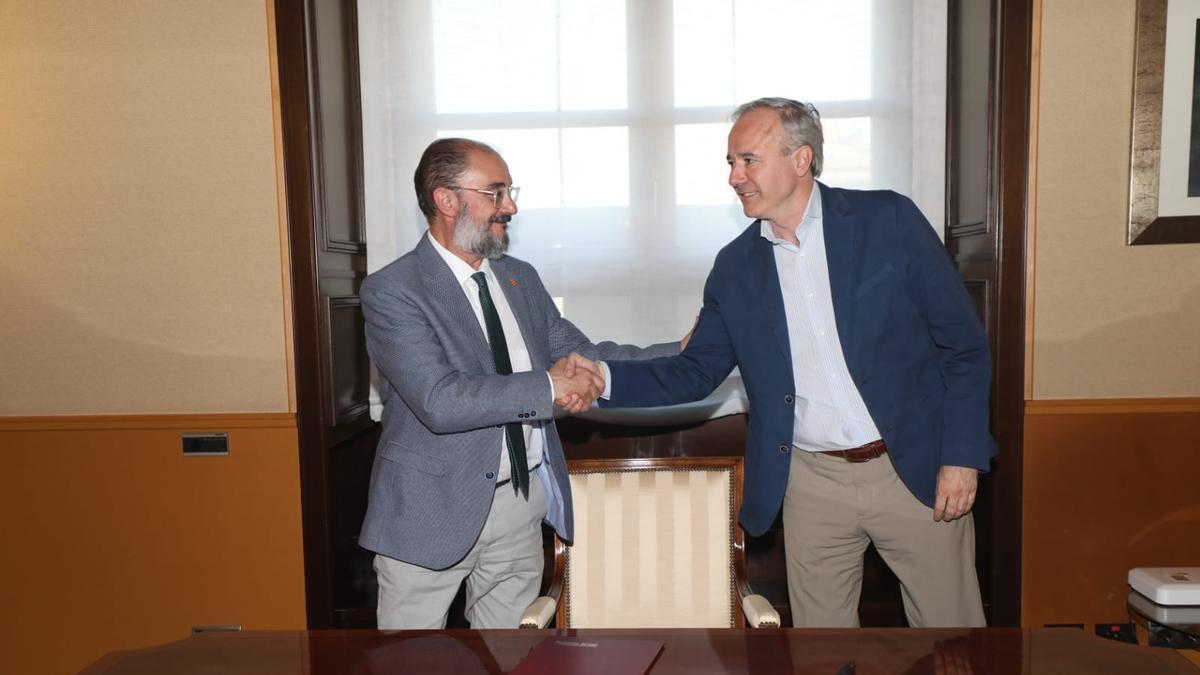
(847, 669)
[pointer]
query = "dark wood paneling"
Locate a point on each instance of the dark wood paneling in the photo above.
(349, 366)
(989, 137)
(338, 134)
(318, 74)
(353, 585)
(978, 289)
(971, 47)
(1008, 385)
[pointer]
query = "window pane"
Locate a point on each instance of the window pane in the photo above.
(562, 167)
(595, 166)
(756, 48)
(848, 153)
(495, 57)
(529, 55)
(701, 173)
(703, 44)
(533, 159)
(593, 55)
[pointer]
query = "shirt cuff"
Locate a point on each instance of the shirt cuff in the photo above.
(607, 381)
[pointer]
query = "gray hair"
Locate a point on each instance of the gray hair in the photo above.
(442, 165)
(801, 125)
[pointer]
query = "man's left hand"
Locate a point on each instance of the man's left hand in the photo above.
(955, 492)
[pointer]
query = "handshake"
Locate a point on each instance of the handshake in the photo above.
(578, 382)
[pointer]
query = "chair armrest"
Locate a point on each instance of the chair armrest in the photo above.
(541, 610)
(759, 612)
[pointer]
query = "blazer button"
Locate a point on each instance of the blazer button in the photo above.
(491, 475)
(533, 413)
(784, 449)
(787, 398)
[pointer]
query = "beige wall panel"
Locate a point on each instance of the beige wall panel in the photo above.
(114, 540)
(139, 221)
(1110, 320)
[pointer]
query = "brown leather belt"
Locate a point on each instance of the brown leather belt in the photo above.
(861, 454)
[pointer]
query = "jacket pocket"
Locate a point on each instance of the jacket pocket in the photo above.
(881, 275)
(423, 462)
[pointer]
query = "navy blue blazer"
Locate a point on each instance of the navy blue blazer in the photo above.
(908, 331)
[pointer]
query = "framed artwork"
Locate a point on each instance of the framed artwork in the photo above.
(1164, 172)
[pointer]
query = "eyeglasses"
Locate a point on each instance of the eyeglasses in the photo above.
(497, 195)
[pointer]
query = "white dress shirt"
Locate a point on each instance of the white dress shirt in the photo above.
(517, 352)
(830, 413)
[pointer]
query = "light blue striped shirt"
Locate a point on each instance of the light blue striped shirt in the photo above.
(830, 413)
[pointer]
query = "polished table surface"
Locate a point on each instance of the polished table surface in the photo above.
(1058, 651)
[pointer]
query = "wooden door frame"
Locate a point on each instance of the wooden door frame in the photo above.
(997, 243)
(297, 110)
(1010, 176)
(318, 287)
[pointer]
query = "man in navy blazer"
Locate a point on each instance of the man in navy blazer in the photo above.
(867, 371)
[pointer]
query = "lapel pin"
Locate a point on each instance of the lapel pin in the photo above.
(512, 282)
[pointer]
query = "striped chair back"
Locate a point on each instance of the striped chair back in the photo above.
(655, 543)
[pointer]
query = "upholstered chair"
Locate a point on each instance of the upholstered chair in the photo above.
(657, 544)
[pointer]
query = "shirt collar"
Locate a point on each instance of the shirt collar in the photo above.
(812, 218)
(461, 270)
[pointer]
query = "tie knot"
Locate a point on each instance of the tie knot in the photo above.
(480, 278)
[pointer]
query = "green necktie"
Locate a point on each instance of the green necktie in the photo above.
(513, 432)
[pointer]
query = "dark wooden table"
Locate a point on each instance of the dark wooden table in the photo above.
(692, 651)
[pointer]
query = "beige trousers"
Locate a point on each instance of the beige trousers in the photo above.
(503, 571)
(833, 508)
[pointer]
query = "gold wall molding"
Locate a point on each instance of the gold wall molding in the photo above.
(190, 422)
(1112, 406)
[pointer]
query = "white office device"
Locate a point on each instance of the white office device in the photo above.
(1167, 585)
(1167, 615)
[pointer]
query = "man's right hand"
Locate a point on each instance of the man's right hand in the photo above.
(688, 338)
(578, 382)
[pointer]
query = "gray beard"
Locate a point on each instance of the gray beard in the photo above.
(473, 236)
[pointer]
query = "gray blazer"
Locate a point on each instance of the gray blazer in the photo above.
(445, 406)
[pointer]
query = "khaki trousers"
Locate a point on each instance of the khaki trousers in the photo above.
(833, 508)
(503, 571)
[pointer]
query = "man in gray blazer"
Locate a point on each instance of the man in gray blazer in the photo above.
(469, 464)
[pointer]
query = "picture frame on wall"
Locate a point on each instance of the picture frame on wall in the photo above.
(1164, 173)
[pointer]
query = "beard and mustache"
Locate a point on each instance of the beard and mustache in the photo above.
(473, 235)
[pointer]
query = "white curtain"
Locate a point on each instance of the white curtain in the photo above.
(612, 116)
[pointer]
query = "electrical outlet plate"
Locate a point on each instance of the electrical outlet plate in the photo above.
(1121, 632)
(221, 628)
(206, 445)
